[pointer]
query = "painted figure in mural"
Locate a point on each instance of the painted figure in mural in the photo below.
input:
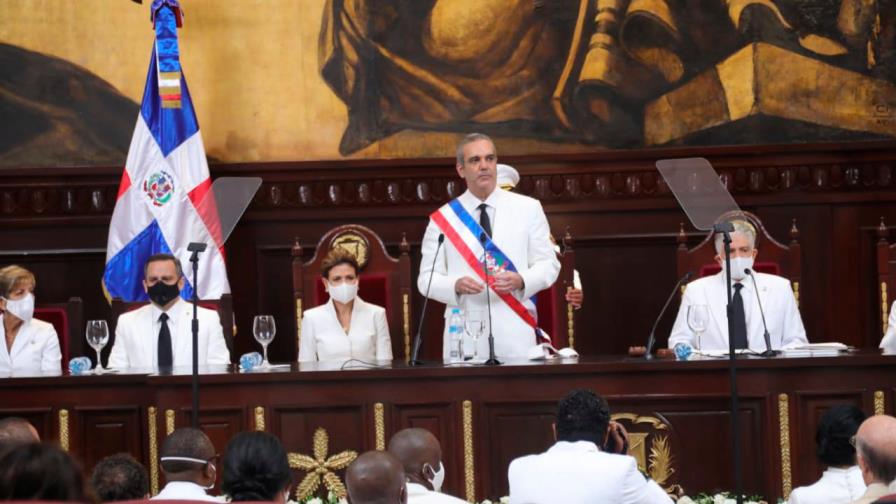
(619, 73)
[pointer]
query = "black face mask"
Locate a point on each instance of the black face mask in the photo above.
(161, 293)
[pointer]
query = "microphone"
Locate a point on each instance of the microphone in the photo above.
(492, 361)
(768, 340)
(652, 339)
(418, 338)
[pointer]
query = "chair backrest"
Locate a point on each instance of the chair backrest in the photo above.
(223, 306)
(555, 315)
(385, 280)
(886, 274)
(774, 257)
(68, 320)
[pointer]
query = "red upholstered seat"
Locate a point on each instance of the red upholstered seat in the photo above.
(67, 318)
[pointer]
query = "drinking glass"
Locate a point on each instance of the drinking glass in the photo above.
(698, 318)
(474, 326)
(264, 329)
(97, 337)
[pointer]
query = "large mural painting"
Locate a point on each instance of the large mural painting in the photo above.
(330, 79)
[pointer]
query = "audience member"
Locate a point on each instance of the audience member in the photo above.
(421, 455)
(40, 471)
(842, 481)
(15, 431)
(256, 469)
(587, 464)
(875, 444)
(188, 462)
(119, 477)
(376, 477)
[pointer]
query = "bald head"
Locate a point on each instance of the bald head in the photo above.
(419, 452)
(876, 449)
(16, 431)
(187, 455)
(376, 477)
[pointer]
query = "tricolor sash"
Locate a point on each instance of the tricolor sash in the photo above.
(464, 233)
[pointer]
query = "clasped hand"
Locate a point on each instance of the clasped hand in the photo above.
(504, 282)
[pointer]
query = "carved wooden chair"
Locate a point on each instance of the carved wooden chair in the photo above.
(886, 274)
(555, 315)
(774, 257)
(385, 280)
(223, 306)
(68, 320)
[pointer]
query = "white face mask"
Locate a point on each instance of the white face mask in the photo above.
(738, 265)
(21, 308)
(343, 292)
(438, 477)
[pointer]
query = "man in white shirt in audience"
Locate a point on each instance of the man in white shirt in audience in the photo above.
(188, 461)
(782, 315)
(421, 455)
(587, 464)
(159, 335)
(876, 453)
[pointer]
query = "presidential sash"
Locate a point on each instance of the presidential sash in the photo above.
(464, 233)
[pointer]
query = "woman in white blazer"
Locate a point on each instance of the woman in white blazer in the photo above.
(345, 327)
(30, 346)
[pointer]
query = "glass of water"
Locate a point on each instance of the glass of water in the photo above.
(97, 337)
(264, 329)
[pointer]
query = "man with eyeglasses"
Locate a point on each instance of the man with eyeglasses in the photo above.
(875, 444)
(188, 461)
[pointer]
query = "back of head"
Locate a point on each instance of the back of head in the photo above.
(414, 447)
(255, 467)
(582, 415)
(119, 477)
(15, 431)
(40, 471)
(837, 425)
(876, 445)
(376, 477)
(185, 443)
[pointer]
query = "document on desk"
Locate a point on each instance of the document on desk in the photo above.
(830, 349)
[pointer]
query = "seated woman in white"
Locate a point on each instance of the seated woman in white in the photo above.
(842, 481)
(30, 346)
(345, 327)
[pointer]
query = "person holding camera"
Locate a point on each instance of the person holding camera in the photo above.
(588, 463)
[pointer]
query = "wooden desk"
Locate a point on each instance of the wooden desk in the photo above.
(484, 417)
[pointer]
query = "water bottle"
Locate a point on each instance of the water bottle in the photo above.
(250, 360)
(455, 336)
(79, 365)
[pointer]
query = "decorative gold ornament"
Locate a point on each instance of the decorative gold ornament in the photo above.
(469, 467)
(152, 415)
(379, 426)
(657, 460)
(169, 422)
(63, 429)
(259, 418)
(298, 325)
(406, 326)
(570, 326)
(784, 426)
(660, 468)
(884, 308)
(353, 243)
(879, 402)
(796, 293)
(320, 467)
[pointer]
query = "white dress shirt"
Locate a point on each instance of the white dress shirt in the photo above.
(184, 490)
(579, 473)
(785, 326)
(324, 339)
(836, 486)
(137, 337)
(35, 349)
(520, 230)
(419, 494)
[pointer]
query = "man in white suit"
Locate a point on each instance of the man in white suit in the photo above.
(514, 224)
(587, 464)
(159, 334)
(782, 316)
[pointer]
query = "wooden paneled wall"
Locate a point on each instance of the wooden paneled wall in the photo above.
(615, 204)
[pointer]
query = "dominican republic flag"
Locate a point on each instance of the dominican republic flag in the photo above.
(160, 200)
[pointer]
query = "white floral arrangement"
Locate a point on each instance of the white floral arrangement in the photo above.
(331, 499)
(502, 500)
(719, 498)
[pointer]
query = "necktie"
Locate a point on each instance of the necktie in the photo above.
(166, 359)
(739, 317)
(484, 221)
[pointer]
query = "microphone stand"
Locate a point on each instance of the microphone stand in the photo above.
(195, 248)
(651, 340)
(418, 339)
(492, 361)
(726, 228)
(768, 339)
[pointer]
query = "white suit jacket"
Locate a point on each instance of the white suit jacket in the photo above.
(520, 229)
(323, 338)
(579, 473)
(785, 327)
(419, 494)
(34, 351)
(137, 337)
(184, 490)
(888, 343)
(836, 486)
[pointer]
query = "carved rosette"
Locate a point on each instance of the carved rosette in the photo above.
(320, 467)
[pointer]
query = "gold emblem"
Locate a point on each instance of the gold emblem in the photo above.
(320, 467)
(651, 448)
(353, 243)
